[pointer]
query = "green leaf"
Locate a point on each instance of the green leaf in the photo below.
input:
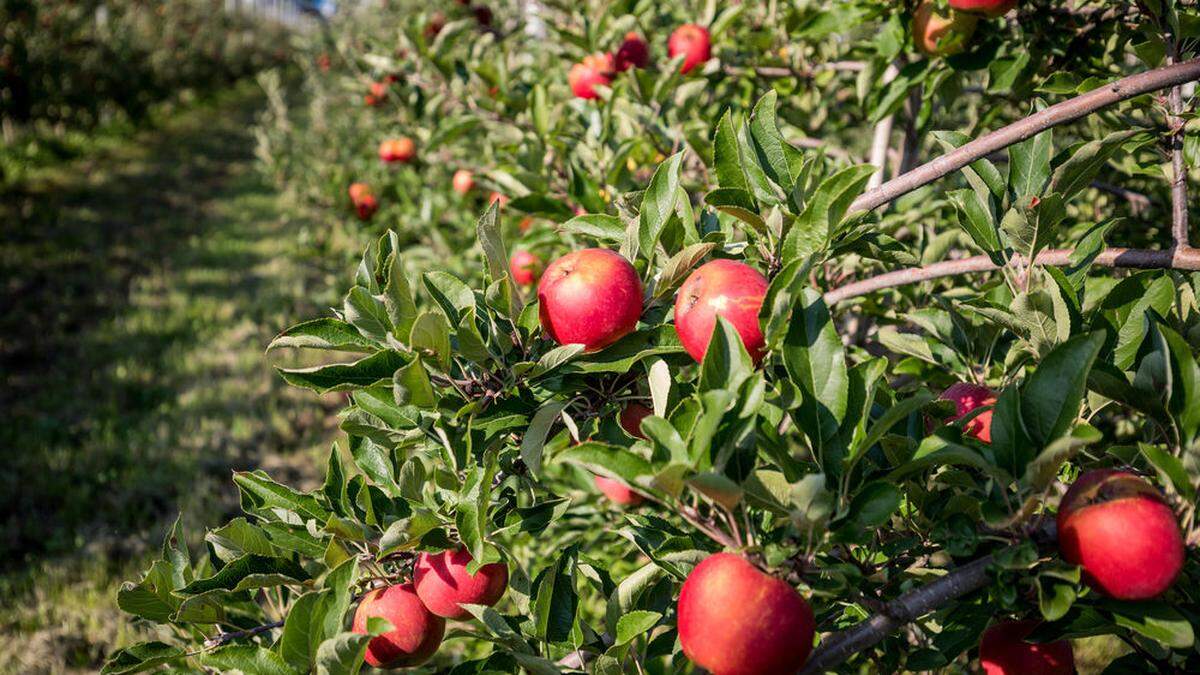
(496, 254)
(374, 369)
(249, 572)
(768, 143)
(816, 362)
(658, 203)
(718, 488)
(727, 159)
(247, 659)
(874, 505)
(367, 313)
(726, 363)
(599, 226)
(342, 654)
(304, 629)
(607, 460)
(1154, 619)
(238, 537)
(555, 601)
(1051, 398)
(825, 212)
(1081, 168)
(431, 335)
(141, 657)
(1170, 467)
(634, 624)
(976, 217)
(738, 203)
(260, 493)
(535, 435)
(323, 334)
(1029, 165)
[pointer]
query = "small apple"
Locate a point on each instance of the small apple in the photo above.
(591, 297)
(525, 268)
(618, 492)
(737, 620)
(497, 198)
(324, 63)
(463, 181)
(416, 633)
(990, 8)
(631, 418)
(966, 398)
(693, 42)
(436, 23)
(444, 585)
(363, 200)
(1118, 528)
(938, 35)
(401, 150)
(585, 76)
(633, 53)
(1004, 651)
(725, 288)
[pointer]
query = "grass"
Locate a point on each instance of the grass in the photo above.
(140, 283)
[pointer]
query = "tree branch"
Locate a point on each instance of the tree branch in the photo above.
(882, 139)
(1179, 193)
(1060, 113)
(907, 608)
(222, 638)
(1133, 258)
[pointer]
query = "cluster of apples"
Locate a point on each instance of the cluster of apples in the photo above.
(377, 92)
(938, 34)
(692, 41)
(418, 609)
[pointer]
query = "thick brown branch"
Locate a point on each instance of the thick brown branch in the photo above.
(1178, 259)
(838, 647)
(1060, 113)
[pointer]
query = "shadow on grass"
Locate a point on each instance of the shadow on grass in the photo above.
(137, 291)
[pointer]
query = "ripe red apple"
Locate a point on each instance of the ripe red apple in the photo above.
(324, 63)
(363, 200)
(633, 53)
(416, 633)
(618, 492)
(397, 150)
(725, 288)
(936, 34)
(736, 620)
(463, 181)
(443, 584)
(591, 297)
(525, 268)
(693, 42)
(1118, 528)
(631, 418)
(992, 8)
(595, 70)
(967, 397)
(1004, 651)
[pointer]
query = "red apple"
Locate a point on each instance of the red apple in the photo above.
(633, 53)
(631, 418)
(692, 41)
(525, 268)
(443, 584)
(967, 397)
(416, 633)
(595, 70)
(1118, 528)
(1004, 651)
(363, 200)
(936, 34)
(496, 197)
(463, 181)
(590, 297)
(618, 492)
(725, 288)
(436, 23)
(736, 620)
(992, 8)
(397, 150)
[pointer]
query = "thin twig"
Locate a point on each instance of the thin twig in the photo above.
(882, 140)
(1132, 258)
(222, 638)
(1179, 194)
(1060, 113)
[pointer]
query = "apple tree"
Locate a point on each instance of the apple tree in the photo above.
(806, 337)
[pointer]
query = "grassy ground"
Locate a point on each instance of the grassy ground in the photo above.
(138, 287)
